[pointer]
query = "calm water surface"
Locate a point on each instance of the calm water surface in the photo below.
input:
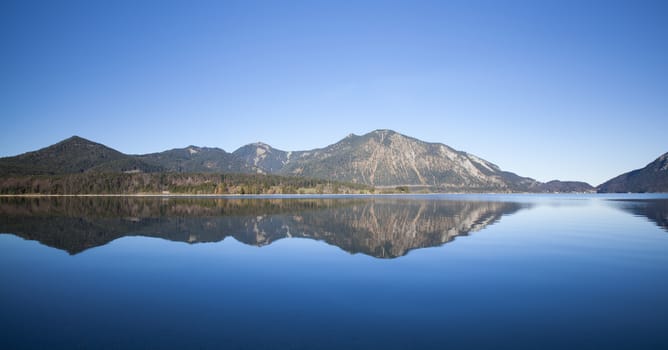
(408, 272)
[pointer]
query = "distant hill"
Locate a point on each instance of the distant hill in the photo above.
(651, 178)
(381, 158)
(73, 155)
(556, 186)
(193, 159)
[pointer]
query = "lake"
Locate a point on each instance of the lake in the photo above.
(355, 272)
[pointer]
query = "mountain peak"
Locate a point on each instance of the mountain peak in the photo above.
(76, 140)
(193, 149)
(384, 136)
(72, 155)
(262, 157)
(384, 132)
(76, 143)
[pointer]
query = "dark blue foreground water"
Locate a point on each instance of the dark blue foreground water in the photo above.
(423, 272)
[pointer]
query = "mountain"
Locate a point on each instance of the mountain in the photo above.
(556, 186)
(381, 158)
(73, 155)
(263, 157)
(651, 178)
(388, 158)
(193, 159)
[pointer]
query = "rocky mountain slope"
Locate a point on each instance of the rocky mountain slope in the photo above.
(651, 178)
(263, 157)
(387, 158)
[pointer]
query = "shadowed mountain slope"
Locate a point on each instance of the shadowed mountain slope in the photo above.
(193, 159)
(651, 178)
(73, 155)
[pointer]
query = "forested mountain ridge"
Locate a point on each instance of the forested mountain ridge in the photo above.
(74, 155)
(193, 159)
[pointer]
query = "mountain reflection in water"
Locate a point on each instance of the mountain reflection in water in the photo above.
(379, 227)
(655, 210)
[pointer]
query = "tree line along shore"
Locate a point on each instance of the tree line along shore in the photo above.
(175, 183)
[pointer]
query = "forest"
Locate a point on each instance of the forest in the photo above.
(173, 183)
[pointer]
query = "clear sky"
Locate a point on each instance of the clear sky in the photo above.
(574, 90)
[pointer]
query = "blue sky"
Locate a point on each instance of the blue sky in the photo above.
(575, 90)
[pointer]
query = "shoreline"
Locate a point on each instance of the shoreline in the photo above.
(311, 195)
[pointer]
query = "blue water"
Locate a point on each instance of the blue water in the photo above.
(418, 272)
